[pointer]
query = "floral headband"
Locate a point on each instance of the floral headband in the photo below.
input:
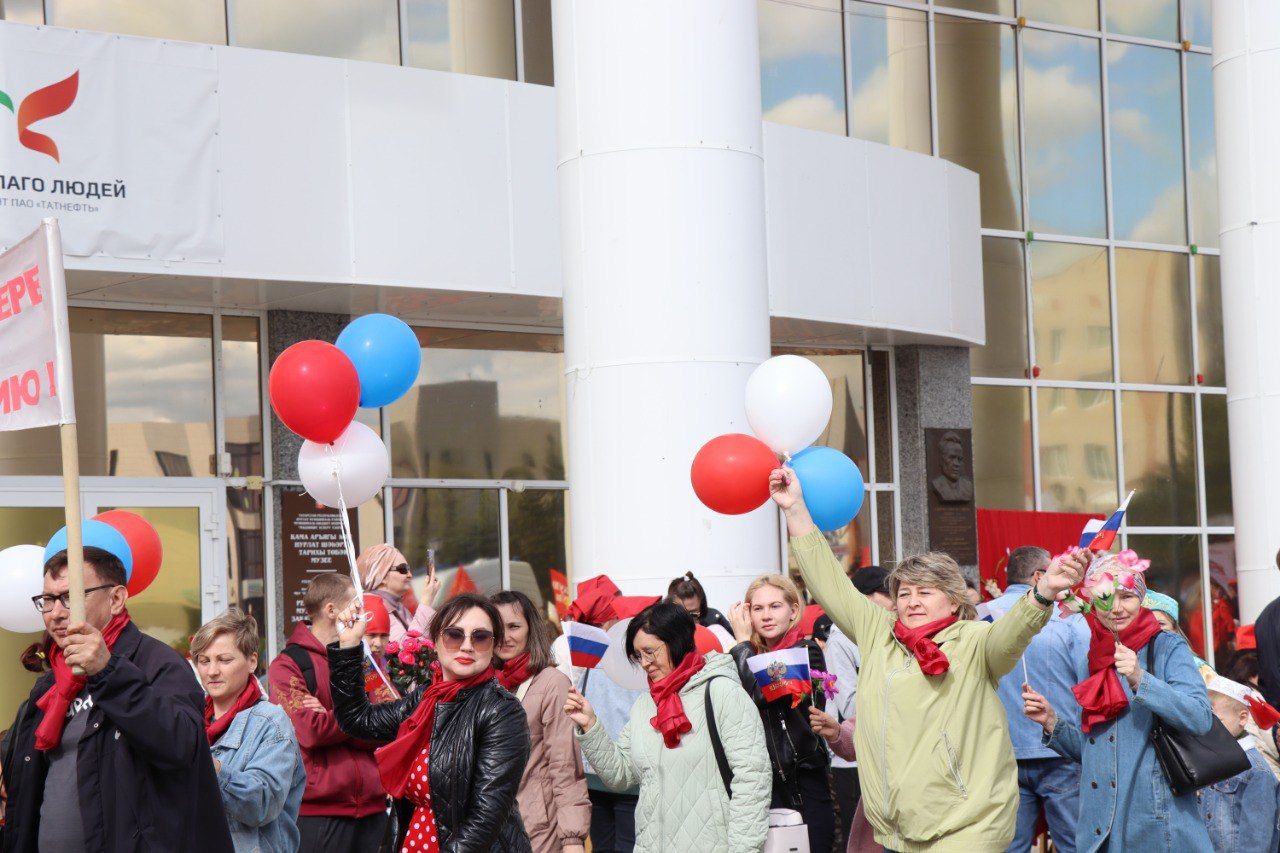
(1106, 576)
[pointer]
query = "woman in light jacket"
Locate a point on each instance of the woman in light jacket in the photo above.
(934, 757)
(666, 748)
(553, 791)
(1137, 672)
(255, 750)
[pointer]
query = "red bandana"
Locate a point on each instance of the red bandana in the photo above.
(920, 643)
(670, 719)
(515, 672)
(66, 686)
(249, 696)
(1100, 695)
(395, 760)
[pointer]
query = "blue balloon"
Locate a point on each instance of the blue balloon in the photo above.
(832, 486)
(386, 354)
(96, 534)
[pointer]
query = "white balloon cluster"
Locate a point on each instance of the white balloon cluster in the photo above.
(21, 578)
(788, 403)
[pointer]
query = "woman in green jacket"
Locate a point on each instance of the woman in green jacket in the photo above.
(934, 757)
(666, 748)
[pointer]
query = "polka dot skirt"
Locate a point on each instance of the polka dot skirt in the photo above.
(422, 836)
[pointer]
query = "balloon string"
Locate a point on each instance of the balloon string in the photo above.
(347, 541)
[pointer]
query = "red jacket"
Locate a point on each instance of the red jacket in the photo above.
(342, 776)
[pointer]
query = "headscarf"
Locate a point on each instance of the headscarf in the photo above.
(249, 696)
(375, 561)
(1100, 695)
(67, 686)
(1126, 570)
(670, 719)
(1159, 601)
(594, 604)
(919, 641)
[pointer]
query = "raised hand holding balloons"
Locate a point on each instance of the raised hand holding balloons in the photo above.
(832, 486)
(788, 403)
(386, 356)
(315, 390)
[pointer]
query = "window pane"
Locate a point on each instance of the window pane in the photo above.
(242, 395)
(1077, 450)
(1005, 305)
(1071, 13)
(1209, 320)
(486, 405)
(1175, 571)
(1152, 302)
(345, 29)
(1203, 161)
(802, 64)
(535, 521)
(23, 11)
(1146, 144)
(1223, 582)
(887, 530)
(246, 584)
(1063, 98)
(1160, 457)
(202, 21)
(889, 55)
(472, 37)
(991, 7)
(883, 406)
(21, 525)
(847, 429)
(1072, 311)
(978, 112)
(461, 525)
(1002, 447)
(1198, 22)
(535, 24)
(1156, 19)
(1217, 460)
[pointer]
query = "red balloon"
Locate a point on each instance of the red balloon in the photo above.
(143, 541)
(730, 474)
(314, 389)
(704, 641)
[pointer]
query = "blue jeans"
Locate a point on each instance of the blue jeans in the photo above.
(1055, 784)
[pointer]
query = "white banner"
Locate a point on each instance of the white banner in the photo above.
(35, 344)
(116, 136)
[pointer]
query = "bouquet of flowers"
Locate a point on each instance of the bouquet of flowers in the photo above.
(409, 661)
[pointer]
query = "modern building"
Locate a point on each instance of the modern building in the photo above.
(991, 218)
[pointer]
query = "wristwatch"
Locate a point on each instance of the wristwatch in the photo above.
(1047, 602)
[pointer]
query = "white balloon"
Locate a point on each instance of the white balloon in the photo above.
(617, 665)
(357, 463)
(21, 577)
(788, 403)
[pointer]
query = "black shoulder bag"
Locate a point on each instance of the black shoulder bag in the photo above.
(1191, 762)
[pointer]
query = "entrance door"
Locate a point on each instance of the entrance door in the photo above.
(187, 512)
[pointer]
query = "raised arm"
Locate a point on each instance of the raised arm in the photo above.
(1011, 633)
(357, 716)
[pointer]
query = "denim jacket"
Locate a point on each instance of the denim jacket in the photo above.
(1125, 800)
(1241, 811)
(261, 779)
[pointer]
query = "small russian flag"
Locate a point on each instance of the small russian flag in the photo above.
(587, 644)
(1100, 535)
(782, 673)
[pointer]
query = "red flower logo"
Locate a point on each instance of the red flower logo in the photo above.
(41, 104)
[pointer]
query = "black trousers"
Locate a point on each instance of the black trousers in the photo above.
(816, 806)
(847, 790)
(613, 821)
(324, 834)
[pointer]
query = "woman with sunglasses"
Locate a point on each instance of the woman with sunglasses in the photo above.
(458, 747)
(385, 573)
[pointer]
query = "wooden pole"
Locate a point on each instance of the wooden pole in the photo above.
(75, 544)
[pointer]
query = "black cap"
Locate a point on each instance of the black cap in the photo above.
(871, 579)
(822, 627)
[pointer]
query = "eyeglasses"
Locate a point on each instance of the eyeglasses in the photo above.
(44, 603)
(648, 655)
(403, 568)
(453, 638)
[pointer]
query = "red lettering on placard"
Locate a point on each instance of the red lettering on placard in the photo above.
(31, 387)
(53, 378)
(5, 310)
(7, 405)
(13, 290)
(17, 290)
(20, 389)
(32, 279)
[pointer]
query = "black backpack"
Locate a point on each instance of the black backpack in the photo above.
(302, 658)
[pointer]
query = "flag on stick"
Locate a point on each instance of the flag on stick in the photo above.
(782, 673)
(587, 644)
(1101, 535)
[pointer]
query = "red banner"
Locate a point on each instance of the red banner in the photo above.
(560, 592)
(1002, 530)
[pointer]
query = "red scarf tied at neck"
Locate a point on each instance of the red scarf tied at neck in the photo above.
(67, 686)
(395, 760)
(670, 719)
(514, 672)
(1101, 696)
(249, 696)
(789, 640)
(920, 643)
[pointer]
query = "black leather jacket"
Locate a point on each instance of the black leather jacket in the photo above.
(792, 744)
(479, 747)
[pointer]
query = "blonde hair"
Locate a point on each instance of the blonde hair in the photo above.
(242, 628)
(934, 570)
(790, 592)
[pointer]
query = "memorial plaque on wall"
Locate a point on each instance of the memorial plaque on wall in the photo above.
(310, 544)
(948, 461)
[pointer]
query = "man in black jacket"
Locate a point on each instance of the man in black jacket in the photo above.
(117, 759)
(1267, 631)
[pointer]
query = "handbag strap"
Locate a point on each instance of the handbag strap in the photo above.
(722, 761)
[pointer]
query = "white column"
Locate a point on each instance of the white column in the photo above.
(665, 298)
(1246, 78)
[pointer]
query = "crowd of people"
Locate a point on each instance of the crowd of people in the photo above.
(925, 726)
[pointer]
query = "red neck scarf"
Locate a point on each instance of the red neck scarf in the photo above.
(396, 759)
(249, 696)
(66, 686)
(670, 719)
(920, 643)
(1100, 695)
(788, 640)
(515, 672)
